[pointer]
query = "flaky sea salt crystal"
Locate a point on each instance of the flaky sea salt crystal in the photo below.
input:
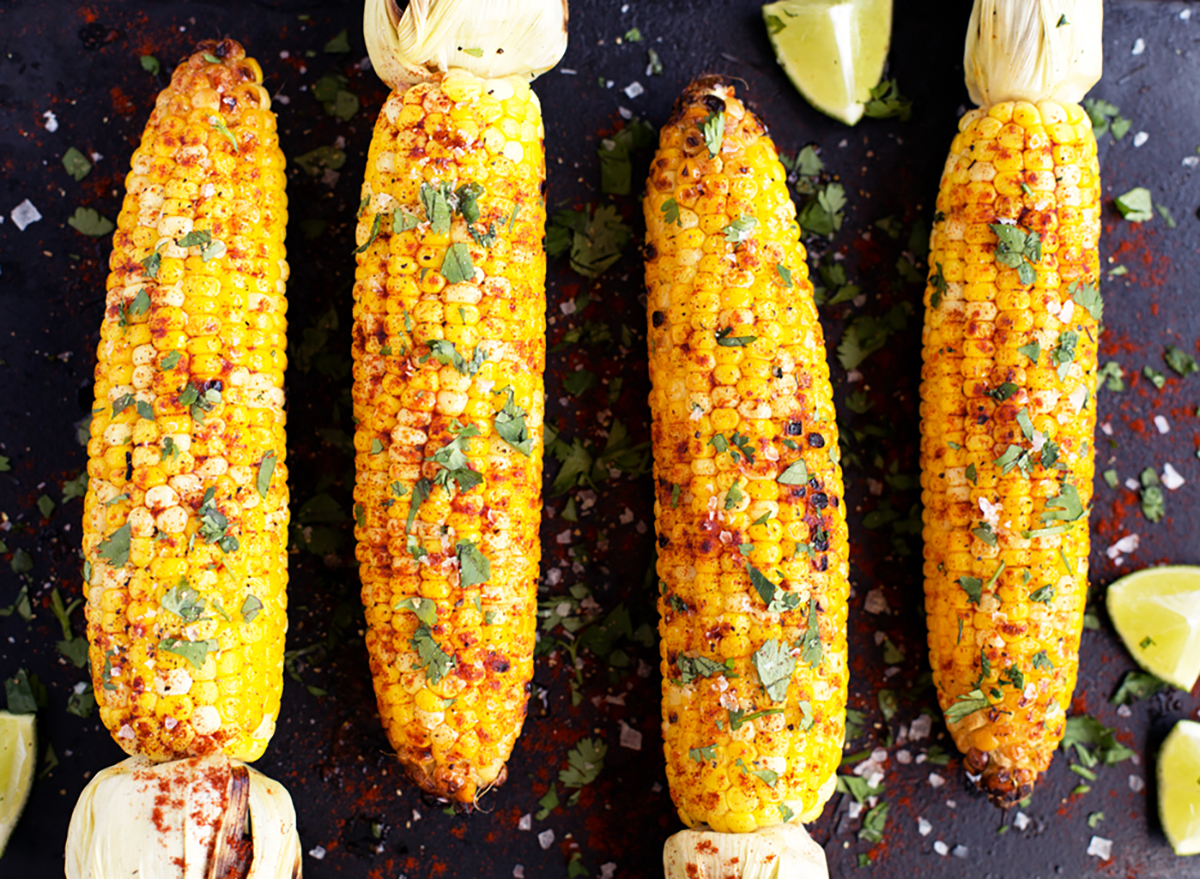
(634, 89)
(920, 728)
(607, 871)
(924, 827)
(525, 822)
(519, 871)
(1100, 848)
(546, 839)
(1140, 138)
(1161, 424)
(960, 851)
(630, 737)
(318, 852)
(935, 780)
(1171, 479)
(1021, 821)
(1136, 784)
(1139, 46)
(24, 214)
(941, 848)
(875, 602)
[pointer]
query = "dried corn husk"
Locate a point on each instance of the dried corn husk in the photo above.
(1033, 50)
(197, 818)
(489, 38)
(782, 851)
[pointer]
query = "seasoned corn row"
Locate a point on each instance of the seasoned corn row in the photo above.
(185, 518)
(449, 351)
(753, 549)
(1007, 416)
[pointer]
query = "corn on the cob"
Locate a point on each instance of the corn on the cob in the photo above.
(185, 519)
(1008, 410)
(749, 513)
(449, 351)
(186, 513)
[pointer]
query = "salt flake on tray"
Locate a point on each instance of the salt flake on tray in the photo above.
(634, 89)
(1140, 138)
(941, 848)
(960, 851)
(318, 852)
(1100, 848)
(1136, 784)
(920, 727)
(630, 737)
(1021, 821)
(607, 871)
(546, 839)
(51, 121)
(1132, 484)
(875, 602)
(924, 827)
(519, 869)
(935, 780)
(24, 214)
(1161, 424)
(1171, 479)
(525, 822)
(1126, 544)
(1139, 46)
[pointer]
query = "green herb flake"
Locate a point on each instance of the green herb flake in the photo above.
(89, 222)
(195, 652)
(1136, 205)
(474, 566)
(1180, 361)
(76, 164)
(775, 666)
(713, 129)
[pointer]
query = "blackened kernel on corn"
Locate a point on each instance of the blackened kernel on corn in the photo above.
(195, 299)
(816, 441)
(1006, 168)
(452, 729)
(710, 403)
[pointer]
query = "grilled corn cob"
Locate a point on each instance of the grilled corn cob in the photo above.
(186, 513)
(1008, 391)
(749, 513)
(185, 519)
(449, 351)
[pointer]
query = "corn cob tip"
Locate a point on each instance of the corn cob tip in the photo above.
(998, 774)
(146, 818)
(1033, 50)
(490, 38)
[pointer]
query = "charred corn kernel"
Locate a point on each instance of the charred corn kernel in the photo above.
(448, 397)
(753, 550)
(185, 562)
(1009, 350)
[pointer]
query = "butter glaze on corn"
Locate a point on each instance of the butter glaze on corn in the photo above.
(1036, 166)
(452, 732)
(214, 322)
(775, 394)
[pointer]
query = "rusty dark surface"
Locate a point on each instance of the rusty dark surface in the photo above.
(81, 63)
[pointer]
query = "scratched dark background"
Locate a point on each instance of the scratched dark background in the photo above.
(81, 63)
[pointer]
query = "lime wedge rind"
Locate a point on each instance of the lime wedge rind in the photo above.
(1179, 787)
(18, 755)
(1156, 611)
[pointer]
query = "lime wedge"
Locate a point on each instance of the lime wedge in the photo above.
(18, 753)
(1157, 614)
(832, 50)
(1179, 787)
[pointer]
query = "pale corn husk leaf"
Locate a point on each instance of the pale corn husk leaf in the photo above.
(784, 851)
(489, 38)
(1017, 51)
(121, 827)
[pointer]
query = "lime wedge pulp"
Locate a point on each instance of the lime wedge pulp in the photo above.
(832, 50)
(1157, 613)
(1179, 787)
(18, 753)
